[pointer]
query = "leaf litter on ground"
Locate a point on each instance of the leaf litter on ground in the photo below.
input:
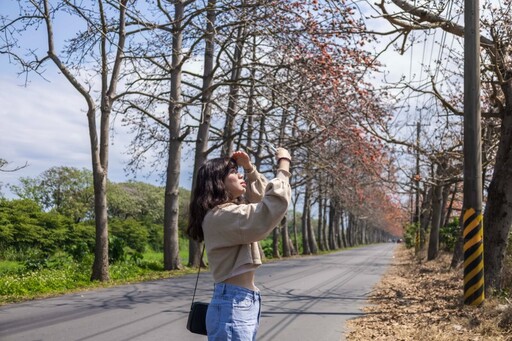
(423, 300)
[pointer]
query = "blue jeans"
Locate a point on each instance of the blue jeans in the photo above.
(233, 314)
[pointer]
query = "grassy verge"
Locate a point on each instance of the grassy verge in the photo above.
(19, 284)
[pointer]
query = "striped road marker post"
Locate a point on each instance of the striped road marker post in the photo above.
(473, 257)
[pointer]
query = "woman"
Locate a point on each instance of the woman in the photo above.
(231, 228)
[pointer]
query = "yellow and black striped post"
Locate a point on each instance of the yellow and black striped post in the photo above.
(472, 218)
(473, 257)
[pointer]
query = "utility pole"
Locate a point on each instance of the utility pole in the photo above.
(416, 217)
(417, 178)
(417, 175)
(472, 218)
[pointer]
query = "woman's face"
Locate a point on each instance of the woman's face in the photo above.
(234, 183)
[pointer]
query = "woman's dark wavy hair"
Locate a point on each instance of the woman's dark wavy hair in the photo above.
(209, 192)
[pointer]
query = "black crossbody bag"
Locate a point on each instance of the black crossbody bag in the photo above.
(197, 316)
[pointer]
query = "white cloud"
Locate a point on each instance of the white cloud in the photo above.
(44, 124)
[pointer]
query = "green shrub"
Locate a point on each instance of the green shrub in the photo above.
(79, 251)
(151, 265)
(24, 225)
(449, 234)
(44, 281)
(116, 251)
(268, 250)
(410, 235)
(56, 228)
(79, 236)
(155, 236)
(35, 264)
(58, 260)
(132, 232)
(10, 267)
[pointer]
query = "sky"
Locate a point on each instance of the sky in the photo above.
(43, 123)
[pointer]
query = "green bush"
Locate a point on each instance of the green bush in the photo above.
(44, 281)
(10, 267)
(79, 251)
(80, 236)
(56, 228)
(132, 232)
(23, 225)
(58, 260)
(266, 245)
(116, 251)
(449, 234)
(410, 235)
(155, 236)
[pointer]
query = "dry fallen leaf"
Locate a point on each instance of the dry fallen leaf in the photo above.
(419, 300)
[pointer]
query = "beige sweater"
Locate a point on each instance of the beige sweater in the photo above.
(231, 231)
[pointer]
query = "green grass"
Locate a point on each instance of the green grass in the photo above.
(8, 267)
(19, 284)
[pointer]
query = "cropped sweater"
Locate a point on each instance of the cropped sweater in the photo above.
(232, 231)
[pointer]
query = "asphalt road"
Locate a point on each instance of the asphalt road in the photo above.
(307, 298)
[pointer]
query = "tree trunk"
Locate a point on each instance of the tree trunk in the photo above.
(99, 150)
(343, 231)
(339, 226)
(201, 150)
(433, 246)
(445, 206)
(171, 237)
(100, 267)
(275, 243)
(458, 249)
(313, 247)
(227, 147)
(304, 221)
(350, 230)
(262, 253)
(294, 223)
(498, 209)
(450, 207)
(425, 216)
(331, 224)
(251, 99)
(285, 238)
(319, 232)
(325, 229)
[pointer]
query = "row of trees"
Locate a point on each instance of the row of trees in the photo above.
(69, 192)
(55, 212)
(32, 235)
(440, 150)
(225, 75)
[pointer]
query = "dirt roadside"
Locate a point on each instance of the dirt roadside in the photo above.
(418, 300)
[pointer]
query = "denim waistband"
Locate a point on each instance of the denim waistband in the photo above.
(221, 288)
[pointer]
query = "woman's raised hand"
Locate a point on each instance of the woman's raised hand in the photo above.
(282, 153)
(283, 158)
(242, 160)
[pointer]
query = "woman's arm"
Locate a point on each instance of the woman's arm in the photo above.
(232, 224)
(256, 182)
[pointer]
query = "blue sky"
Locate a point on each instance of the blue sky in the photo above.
(43, 121)
(44, 124)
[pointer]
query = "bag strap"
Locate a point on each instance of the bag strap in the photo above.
(198, 271)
